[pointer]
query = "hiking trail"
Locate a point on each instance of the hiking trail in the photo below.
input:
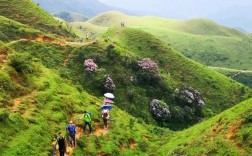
(98, 131)
(229, 69)
(27, 99)
(44, 39)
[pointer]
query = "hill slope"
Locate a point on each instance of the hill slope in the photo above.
(40, 92)
(12, 30)
(71, 16)
(199, 39)
(228, 133)
(176, 73)
(36, 104)
(28, 13)
(89, 8)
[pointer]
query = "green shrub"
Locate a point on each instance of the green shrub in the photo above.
(22, 63)
(4, 114)
(5, 82)
(143, 145)
(248, 119)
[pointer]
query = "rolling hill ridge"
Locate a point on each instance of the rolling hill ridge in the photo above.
(28, 13)
(199, 39)
(45, 84)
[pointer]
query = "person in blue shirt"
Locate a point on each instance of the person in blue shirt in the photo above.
(71, 131)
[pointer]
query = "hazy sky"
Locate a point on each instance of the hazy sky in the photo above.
(179, 8)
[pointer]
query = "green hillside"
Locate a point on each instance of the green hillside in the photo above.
(36, 103)
(45, 84)
(12, 30)
(36, 100)
(199, 39)
(242, 76)
(176, 72)
(71, 16)
(82, 28)
(206, 27)
(29, 13)
(47, 104)
(228, 133)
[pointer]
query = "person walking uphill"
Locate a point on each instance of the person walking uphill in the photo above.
(71, 131)
(87, 121)
(61, 141)
(105, 117)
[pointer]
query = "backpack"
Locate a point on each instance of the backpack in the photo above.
(105, 115)
(89, 114)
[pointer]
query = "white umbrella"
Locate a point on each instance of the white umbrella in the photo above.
(109, 95)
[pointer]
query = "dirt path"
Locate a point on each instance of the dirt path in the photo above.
(3, 58)
(78, 44)
(44, 39)
(234, 70)
(18, 101)
(232, 131)
(100, 131)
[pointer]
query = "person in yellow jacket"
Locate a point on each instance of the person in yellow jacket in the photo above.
(87, 121)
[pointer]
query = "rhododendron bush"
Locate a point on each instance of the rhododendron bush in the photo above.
(109, 84)
(148, 70)
(90, 65)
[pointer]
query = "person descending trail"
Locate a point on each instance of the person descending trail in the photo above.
(107, 101)
(61, 142)
(71, 131)
(87, 121)
(105, 117)
(87, 36)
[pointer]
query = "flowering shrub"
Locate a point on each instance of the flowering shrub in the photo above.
(159, 109)
(189, 96)
(90, 65)
(149, 71)
(109, 84)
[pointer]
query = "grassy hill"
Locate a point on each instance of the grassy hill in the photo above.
(228, 133)
(36, 103)
(29, 13)
(89, 8)
(206, 27)
(180, 70)
(199, 39)
(44, 85)
(176, 71)
(71, 16)
(12, 30)
(82, 28)
(242, 76)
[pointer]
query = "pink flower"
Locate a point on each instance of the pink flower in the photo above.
(90, 65)
(149, 66)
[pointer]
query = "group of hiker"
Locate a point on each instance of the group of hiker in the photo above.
(61, 141)
(122, 24)
(88, 36)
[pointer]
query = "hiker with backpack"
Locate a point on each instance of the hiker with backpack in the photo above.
(61, 142)
(105, 117)
(71, 131)
(87, 121)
